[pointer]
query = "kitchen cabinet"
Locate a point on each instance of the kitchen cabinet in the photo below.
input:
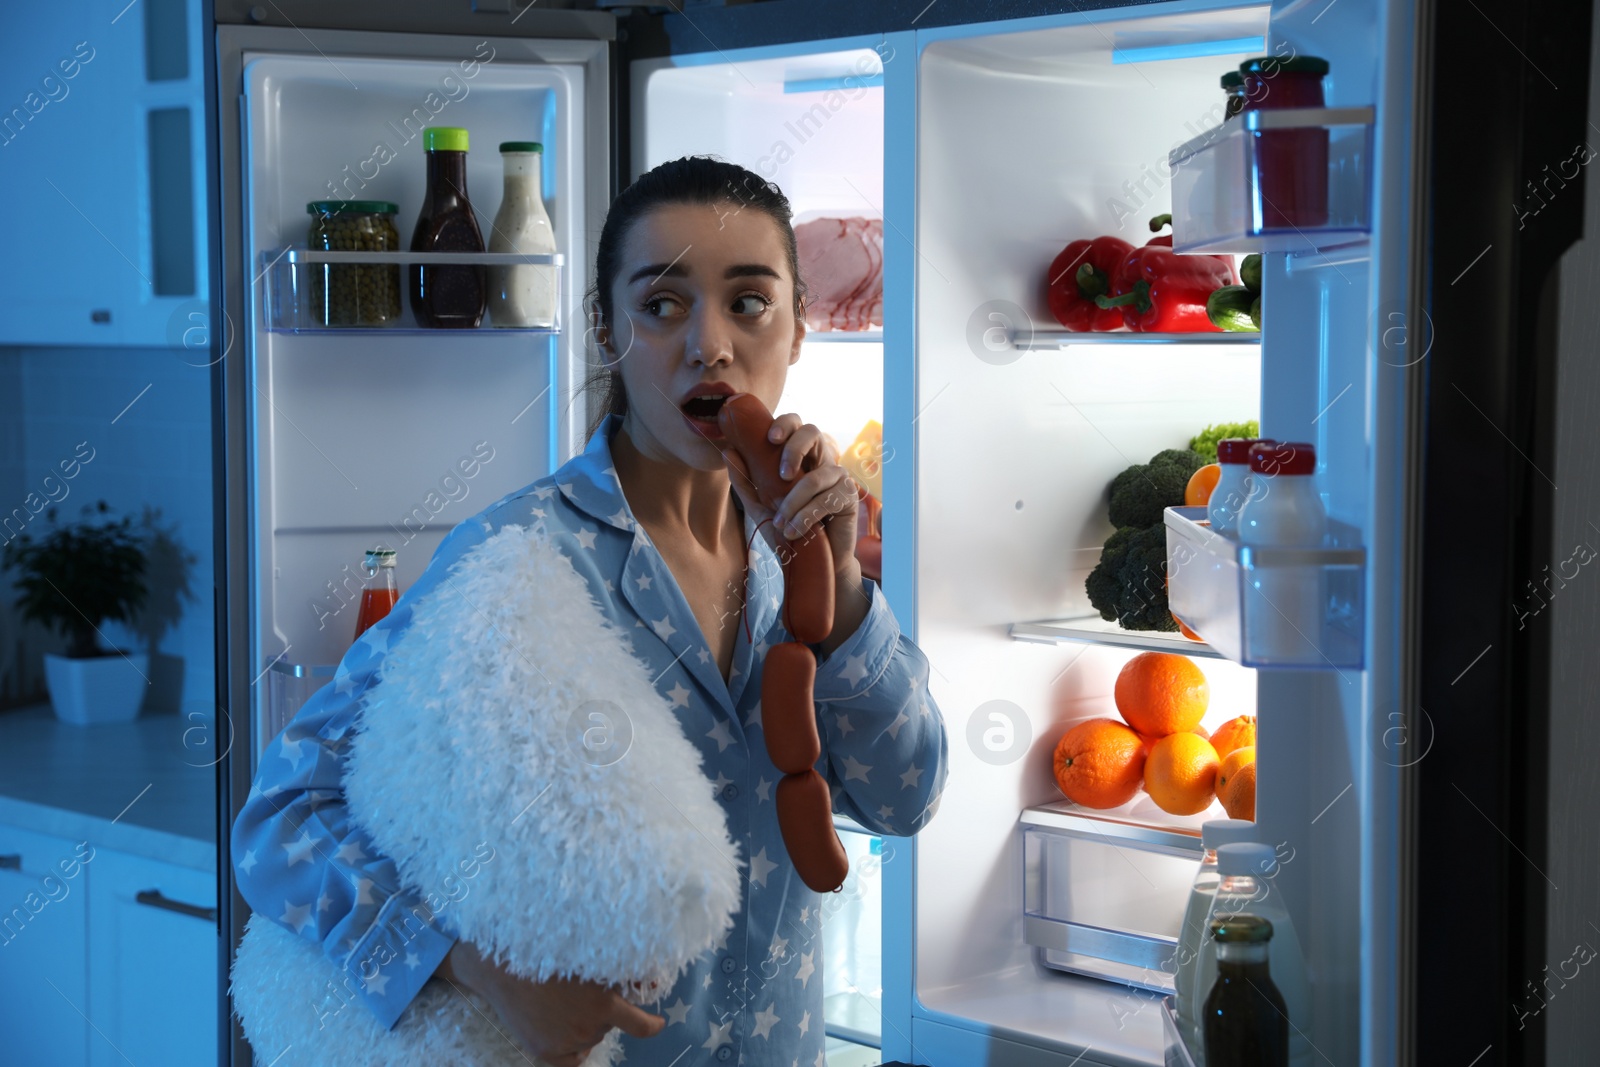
(44, 972)
(152, 962)
(102, 157)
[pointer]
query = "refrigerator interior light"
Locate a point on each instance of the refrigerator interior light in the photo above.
(1153, 53)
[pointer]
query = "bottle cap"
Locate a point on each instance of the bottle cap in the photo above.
(1271, 65)
(1219, 832)
(1233, 80)
(380, 557)
(1236, 928)
(1247, 857)
(444, 139)
(1237, 449)
(521, 146)
(352, 207)
(1283, 457)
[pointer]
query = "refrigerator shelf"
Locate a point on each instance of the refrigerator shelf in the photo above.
(294, 281)
(843, 337)
(1174, 1052)
(1104, 896)
(1269, 607)
(1295, 180)
(288, 686)
(1092, 629)
(1050, 340)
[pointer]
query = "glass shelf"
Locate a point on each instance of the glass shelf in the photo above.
(1092, 629)
(296, 280)
(1295, 180)
(1268, 607)
(842, 337)
(1049, 340)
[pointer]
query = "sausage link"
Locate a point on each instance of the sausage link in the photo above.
(805, 816)
(744, 421)
(788, 714)
(808, 587)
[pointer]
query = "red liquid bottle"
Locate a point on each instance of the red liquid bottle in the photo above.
(379, 595)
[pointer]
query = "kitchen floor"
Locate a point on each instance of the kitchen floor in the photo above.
(848, 1054)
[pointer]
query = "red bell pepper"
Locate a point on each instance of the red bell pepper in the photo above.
(1080, 273)
(1159, 291)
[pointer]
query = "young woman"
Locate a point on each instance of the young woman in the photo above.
(697, 292)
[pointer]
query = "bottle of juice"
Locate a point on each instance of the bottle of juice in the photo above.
(1213, 835)
(447, 295)
(379, 594)
(1246, 1018)
(1246, 886)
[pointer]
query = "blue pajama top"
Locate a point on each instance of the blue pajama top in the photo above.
(757, 998)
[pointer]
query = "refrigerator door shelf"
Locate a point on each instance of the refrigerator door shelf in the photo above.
(1269, 607)
(1175, 1051)
(295, 282)
(1258, 183)
(1031, 340)
(288, 687)
(1087, 916)
(1093, 630)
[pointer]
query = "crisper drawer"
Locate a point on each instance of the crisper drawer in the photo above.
(1104, 897)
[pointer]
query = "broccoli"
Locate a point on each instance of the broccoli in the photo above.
(1129, 585)
(1139, 493)
(1205, 442)
(1104, 584)
(1142, 577)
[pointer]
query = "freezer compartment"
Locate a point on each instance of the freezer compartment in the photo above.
(1269, 607)
(1290, 180)
(314, 290)
(1084, 912)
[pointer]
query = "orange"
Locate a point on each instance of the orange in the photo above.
(1099, 763)
(1149, 740)
(1239, 798)
(1180, 774)
(1198, 492)
(1231, 763)
(1183, 629)
(1161, 693)
(1235, 733)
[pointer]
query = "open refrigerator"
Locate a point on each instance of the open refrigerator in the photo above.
(1017, 928)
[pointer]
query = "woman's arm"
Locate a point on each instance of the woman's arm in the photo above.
(884, 745)
(299, 860)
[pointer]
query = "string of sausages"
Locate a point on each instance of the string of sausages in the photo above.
(788, 713)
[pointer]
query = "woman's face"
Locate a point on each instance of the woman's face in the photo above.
(704, 294)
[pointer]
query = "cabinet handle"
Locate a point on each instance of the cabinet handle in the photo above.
(154, 898)
(12, 862)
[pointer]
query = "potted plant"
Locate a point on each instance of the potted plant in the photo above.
(73, 579)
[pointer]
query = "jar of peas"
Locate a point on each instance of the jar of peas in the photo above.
(354, 294)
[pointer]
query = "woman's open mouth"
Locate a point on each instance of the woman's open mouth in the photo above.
(701, 413)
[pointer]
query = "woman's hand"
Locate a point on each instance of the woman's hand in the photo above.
(561, 1020)
(822, 490)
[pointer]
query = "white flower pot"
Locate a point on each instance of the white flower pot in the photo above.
(105, 689)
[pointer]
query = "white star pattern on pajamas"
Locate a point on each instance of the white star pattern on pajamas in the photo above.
(283, 854)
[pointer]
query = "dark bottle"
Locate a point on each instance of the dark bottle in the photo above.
(447, 296)
(1245, 1022)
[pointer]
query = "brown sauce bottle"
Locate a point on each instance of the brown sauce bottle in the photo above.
(1245, 1022)
(447, 296)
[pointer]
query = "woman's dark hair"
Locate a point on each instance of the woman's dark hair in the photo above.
(690, 180)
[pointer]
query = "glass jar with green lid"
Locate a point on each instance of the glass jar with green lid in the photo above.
(354, 294)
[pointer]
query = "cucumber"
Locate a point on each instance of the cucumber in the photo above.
(1255, 312)
(1250, 272)
(1229, 309)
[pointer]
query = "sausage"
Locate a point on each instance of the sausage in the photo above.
(788, 714)
(805, 816)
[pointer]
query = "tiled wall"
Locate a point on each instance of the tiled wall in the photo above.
(145, 414)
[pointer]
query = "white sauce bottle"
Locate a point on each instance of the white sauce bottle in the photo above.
(1283, 609)
(524, 295)
(1233, 485)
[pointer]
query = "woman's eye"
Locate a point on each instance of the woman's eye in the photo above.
(656, 304)
(751, 304)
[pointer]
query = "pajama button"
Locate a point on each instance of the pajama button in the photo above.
(725, 1053)
(728, 965)
(731, 793)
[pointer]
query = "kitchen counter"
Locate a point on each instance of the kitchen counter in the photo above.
(134, 787)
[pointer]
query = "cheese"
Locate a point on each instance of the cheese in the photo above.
(864, 459)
